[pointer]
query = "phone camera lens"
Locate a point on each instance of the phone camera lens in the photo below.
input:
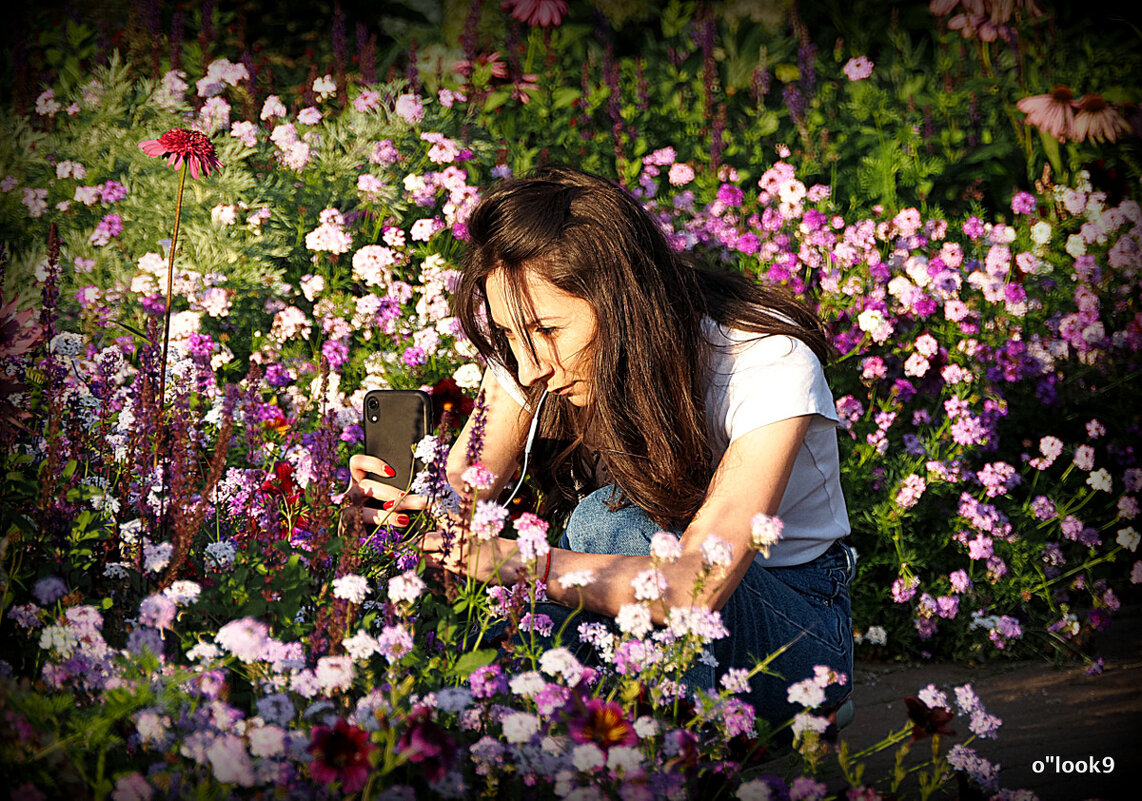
(374, 403)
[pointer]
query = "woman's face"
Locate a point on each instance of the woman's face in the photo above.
(560, 326)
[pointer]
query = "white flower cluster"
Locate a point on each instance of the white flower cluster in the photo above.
(220, 74)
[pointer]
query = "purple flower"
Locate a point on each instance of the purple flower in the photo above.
(960, 581)
(427, 743)
(49, 590)
(1023, 203)
(107, 229)
(973, 227)
(336, 352)
(145, 639)
(111, 191)
(730, 195)
(904, 588)
(947, 606)
(414, 356)
(278, 376)
(487, 681)
(157, 611)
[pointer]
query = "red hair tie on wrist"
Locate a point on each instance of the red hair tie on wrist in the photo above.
(547, 570)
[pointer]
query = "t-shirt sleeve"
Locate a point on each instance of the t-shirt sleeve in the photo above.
(775, 378)
(508, 382)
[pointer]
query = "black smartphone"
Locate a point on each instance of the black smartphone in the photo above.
(395, 420)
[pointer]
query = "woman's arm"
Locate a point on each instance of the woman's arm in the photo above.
(505, 429)
(750, 478)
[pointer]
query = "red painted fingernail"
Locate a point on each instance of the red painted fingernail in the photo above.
(402, 520)
(388, 472)
(388, 504)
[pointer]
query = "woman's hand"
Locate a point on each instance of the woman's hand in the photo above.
(396, 504)
(494, 561)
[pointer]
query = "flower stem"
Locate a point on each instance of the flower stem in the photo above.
(170, 290)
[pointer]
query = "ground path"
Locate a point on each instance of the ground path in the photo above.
(1046, 711)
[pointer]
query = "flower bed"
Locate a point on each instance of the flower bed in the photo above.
(181, 607)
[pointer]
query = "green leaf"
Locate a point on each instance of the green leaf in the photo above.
(561, 98)
(496, 99)
(786, 73)
(1051, 148)
(472, 660)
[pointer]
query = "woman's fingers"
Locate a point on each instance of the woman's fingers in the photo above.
(362, 464)
(373, 517)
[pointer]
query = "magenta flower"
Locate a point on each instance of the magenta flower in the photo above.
(340, 753)
(178, 145)
(426, 743)
(544, 13)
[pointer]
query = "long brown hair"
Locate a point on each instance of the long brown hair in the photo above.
(646, 419)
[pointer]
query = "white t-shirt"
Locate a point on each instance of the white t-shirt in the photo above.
(756, 380)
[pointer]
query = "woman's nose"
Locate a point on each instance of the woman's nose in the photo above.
(532, 368)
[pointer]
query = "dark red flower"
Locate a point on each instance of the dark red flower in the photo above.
(925, 720)
(448, 397)
(602, 723)
(428, 744)
(282, 483)
(340, 753)
(178, 145)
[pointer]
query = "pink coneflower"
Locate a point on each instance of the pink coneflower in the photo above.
(979, 25)
(179, 144)
(544, 13)
(1097, 120)
(485, 65)
(1052, 113)
(340, 753)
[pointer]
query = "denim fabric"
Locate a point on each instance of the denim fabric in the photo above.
(807, 605)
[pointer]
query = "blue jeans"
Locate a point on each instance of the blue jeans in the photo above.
(807, 605)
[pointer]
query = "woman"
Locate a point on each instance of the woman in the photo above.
(678, 399)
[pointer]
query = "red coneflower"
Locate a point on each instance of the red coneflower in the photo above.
(1097, 120)
(179, 144)
(1052, 113)
(188, 150)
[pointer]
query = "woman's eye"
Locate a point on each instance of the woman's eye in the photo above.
(546, 331)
